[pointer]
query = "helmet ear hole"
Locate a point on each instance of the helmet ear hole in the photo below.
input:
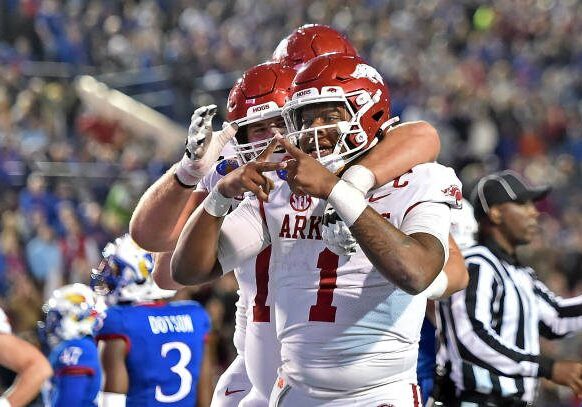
(242, 135)
(378, 115)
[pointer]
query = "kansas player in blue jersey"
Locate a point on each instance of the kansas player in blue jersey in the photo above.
(68, 333)
(152, 349)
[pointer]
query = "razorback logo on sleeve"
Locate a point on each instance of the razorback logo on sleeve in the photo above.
(455, 192)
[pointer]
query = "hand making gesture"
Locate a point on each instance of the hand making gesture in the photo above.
(249, 177)
(306, 175)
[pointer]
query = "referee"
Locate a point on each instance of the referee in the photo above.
(491, 330)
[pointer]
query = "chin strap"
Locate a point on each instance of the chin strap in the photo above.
(389, 123)
(334, 164)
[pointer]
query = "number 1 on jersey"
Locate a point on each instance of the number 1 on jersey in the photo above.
(323, 311)
(261, 311)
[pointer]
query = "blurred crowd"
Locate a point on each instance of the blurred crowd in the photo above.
(501, 82)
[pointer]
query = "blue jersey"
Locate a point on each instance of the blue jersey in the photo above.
(165, 344)
(426, 358)
(77, 373)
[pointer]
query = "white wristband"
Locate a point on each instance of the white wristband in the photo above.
(437, 288)
(217, 204)
(360, 177)
(348, 202)
(4, 402)
(113, 399)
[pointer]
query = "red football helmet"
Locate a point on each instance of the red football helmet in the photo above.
(258, 95)
(358, 87)
(310, 41)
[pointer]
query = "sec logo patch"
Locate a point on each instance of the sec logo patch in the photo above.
(300, 203)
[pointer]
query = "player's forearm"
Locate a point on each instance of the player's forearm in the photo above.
(154, 223)
(456, 270)
(28, 382)
(195, 258)
(404, 260)
(403, 147)
(162, 273)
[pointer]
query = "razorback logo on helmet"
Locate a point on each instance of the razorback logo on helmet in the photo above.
(331, 90)
(455, 192)
(366, 71)
(226, 166)
(300, 203)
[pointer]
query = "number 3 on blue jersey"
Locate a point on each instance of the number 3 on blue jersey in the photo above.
(180, 369)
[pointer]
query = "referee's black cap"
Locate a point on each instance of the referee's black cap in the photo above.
(504, 186)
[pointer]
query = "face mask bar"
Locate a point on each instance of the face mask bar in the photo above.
(105, 277)
(248, 152)
(339, 150)
(343, 152)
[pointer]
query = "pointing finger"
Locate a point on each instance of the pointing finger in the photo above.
(266, 153)
(289, 147)
(265, 166)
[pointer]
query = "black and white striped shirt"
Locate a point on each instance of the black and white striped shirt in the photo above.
(491, 329)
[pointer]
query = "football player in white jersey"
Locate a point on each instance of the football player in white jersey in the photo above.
(304, 43)
(254, 106)
(30, 366)
(348, 326)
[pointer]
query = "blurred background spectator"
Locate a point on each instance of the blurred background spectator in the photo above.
(502, 82)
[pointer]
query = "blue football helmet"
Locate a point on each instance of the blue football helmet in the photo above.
(71, 312)
(124, 274)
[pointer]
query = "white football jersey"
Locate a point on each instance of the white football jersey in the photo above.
(255, 335)
(337, 312)
(5, 327)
